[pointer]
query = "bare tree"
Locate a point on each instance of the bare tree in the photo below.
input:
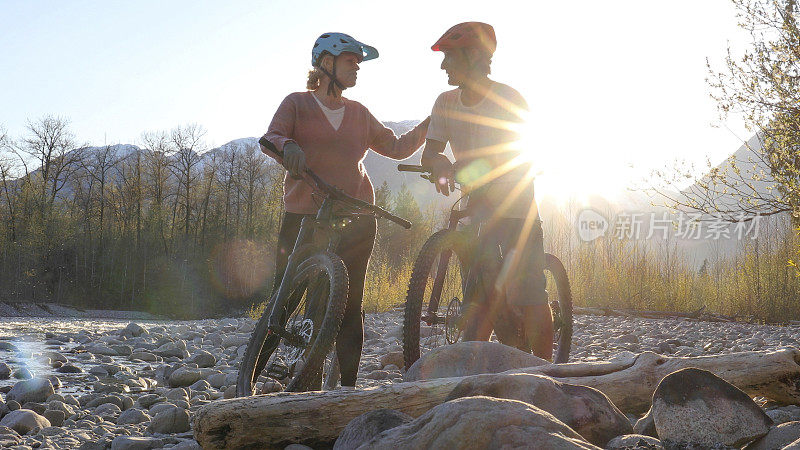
(762, 85)
(50, 143)
(188, 144)
(156, 167)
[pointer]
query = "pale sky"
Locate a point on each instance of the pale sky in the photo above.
(610, 84)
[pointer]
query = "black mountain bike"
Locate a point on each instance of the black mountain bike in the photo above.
(300, 323)
(445, 271)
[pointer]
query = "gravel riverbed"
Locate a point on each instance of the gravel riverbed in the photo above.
(96, 384)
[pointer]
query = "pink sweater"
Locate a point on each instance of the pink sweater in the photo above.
(335, 155)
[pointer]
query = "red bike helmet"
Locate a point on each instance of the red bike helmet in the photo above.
(468, 35)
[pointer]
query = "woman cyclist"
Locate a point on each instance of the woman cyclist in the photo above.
(321, 130)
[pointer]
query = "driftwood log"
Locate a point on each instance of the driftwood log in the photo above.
(275, 420)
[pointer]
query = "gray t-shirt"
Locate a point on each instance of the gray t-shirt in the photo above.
(485, 142)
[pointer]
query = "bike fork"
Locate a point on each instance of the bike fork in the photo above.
(436, 290)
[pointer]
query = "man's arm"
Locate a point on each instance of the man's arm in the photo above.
(434, 159)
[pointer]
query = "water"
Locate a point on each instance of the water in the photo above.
(28, 336)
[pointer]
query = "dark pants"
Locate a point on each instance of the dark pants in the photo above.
(519, 281)
(354, 248)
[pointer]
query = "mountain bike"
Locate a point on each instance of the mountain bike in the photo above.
(446, 272)
(300, 322)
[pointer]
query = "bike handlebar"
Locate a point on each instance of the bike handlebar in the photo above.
(412, 168)
(338, 194)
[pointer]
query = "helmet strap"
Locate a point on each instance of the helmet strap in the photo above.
(332, 77)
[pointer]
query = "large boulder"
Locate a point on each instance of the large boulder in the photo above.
(470, 358)
(695, 406)
(35, 390)
(778, 437)
(365, 427)
(481, 423)
(23, 420)
(586, 410)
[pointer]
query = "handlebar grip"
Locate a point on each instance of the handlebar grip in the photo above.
(402, 222)
(411, 168)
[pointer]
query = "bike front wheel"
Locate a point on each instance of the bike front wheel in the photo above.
(311, 321)
(445, 253)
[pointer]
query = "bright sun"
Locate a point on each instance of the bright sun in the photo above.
(563, 175)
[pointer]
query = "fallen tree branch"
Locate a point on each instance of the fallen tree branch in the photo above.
(275, 420)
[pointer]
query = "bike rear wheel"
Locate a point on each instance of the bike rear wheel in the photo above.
(313, 316)
(510, 330)
(560, 306)
(422, 305)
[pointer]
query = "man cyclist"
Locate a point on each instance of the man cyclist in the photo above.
(480, 119)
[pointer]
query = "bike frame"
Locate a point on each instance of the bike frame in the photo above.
(438, 283)
(319, 230)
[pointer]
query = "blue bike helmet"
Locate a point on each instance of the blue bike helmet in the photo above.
(336, 43)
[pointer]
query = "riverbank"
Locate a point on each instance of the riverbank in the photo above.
(111, 380)
(54, 310)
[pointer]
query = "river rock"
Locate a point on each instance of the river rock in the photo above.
(234, 341)
(778, 437)
(55, 356)
(395, 358)
(133, 330)
(191, 444)
(365, 427)
(101, 349)
(171, 349)
(8, 347)
(184, 377)
(135, 443)
(69, 368)
(695, 406)
(133, 415)
(22, 374)
(23, 420)
(38, 408)
(148, 400)
(586, 410)
(55, 417)
(5, 371)
(203, 359)
(469, 358)
(172, 420)
(8, 437)
(143, 356)
(481, 422)
(33, 390)
(634, 442)
(645, 425)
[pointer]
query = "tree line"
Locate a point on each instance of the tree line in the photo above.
(168, 226)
